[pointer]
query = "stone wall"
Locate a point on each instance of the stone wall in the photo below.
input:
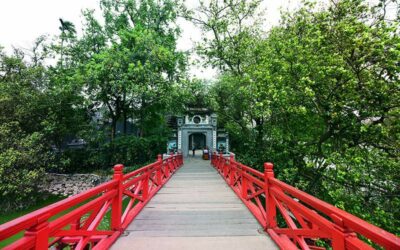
(67, 185)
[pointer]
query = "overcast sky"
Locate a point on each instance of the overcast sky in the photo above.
(21, 21)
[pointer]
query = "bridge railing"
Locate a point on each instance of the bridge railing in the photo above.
(306, 222)
(95, 218)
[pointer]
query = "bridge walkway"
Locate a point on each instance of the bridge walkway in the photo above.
(196, 209)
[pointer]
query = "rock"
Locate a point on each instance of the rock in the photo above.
(61, 184)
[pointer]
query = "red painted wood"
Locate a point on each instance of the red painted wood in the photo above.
(78, 228)
(263, 194)
(117, 201)
(260, 192)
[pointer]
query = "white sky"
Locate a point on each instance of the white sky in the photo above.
(22, 21)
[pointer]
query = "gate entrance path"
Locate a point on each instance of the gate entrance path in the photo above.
(195, 209)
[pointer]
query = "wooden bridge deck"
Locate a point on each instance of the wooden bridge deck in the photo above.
(196, 209)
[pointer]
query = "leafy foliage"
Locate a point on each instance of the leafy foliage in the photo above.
(23, 151)
(313, 97)
(120, 72)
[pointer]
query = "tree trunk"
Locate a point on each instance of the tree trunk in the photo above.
(113, 128)
(260, 132)
(142, 116)
(125, 109)
(125, 122)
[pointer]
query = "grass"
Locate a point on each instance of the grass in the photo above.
(6, 217)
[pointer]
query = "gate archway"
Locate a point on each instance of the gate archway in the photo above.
(199, 140)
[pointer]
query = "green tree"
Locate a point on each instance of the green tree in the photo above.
(313, 96)
(231, 30)
(133, 76)
(23, 151)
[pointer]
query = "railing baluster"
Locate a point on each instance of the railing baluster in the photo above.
(231, 167)
(213, 157)
(219, 162)
(166, 167)
(41, 233)
(145, 186)
(244, 184)
(170, 166)
(339, 236)
(159, 171)
(270, 205)
(175, 163)
(171, 160)
(116, 208)
(76, 224)
(225, 168)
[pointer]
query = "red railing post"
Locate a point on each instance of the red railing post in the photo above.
(172, 156)
(170, 167)
(76, 224)
(174, 163)
(339, 235)
(220, 162)
(213, 158)
(116, 206)
(166, 167)
(180, 159)
(270, 205)
(231, 172)
(244, 183)
(41, 233)
(224, 168)
(171, 162)
(181, 156)
(159, 171)
(145, 185)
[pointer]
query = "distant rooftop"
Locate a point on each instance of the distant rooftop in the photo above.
(197, 110)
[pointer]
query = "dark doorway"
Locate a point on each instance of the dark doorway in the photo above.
(198, 140)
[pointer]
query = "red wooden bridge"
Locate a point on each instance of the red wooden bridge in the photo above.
(196, 209)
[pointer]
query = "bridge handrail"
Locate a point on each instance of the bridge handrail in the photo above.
(347, 220)
(29, 220)
(78, 227)
(140, 170)
(266, 196)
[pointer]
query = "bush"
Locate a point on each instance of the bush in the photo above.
(100, 154)
(22, 162)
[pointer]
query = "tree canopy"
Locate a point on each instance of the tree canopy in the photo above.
(317, 95)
